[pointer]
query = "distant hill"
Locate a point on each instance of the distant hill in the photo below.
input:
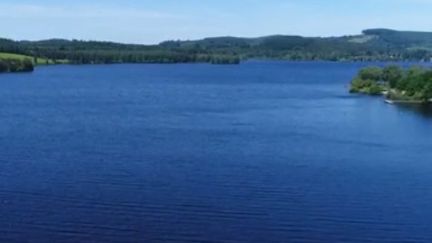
(372, 44)
(405, 39)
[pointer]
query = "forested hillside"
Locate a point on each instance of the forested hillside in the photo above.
(373, 44)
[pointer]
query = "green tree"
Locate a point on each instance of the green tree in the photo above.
(371, 73)
(4, 67)
(27, 65)
(427, 92)
(375, 89)
(392, 74)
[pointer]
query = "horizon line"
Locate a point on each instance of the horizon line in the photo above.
(204, 38)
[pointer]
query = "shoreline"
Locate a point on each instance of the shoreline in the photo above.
(413, 102)
(390, 101)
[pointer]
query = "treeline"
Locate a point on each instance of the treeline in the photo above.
(93, 52)
(16, 65)
(412, 85)
(372, 45)
(113, 57)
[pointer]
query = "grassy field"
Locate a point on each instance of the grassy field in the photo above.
(39, 61)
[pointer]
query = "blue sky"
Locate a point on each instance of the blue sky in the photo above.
(145, 21)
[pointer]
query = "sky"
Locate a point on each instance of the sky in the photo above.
(153, 21)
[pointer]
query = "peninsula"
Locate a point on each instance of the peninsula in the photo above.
(396, 84)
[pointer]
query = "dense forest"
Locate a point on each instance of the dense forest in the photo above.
(371, 45)
(397, 84)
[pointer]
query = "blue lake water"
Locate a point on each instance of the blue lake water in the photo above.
(259, 152)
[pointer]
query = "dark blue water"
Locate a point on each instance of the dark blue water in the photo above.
(260, 152)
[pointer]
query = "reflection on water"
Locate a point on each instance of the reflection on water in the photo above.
(424, 110)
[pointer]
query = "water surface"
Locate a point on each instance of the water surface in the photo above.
(260, 152)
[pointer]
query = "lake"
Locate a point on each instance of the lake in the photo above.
(257, 152)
